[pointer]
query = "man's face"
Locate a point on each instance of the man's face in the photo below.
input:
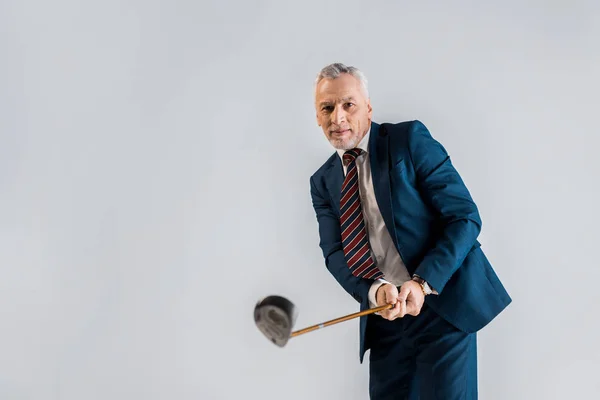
(343, 111)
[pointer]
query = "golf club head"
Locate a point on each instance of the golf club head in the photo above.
(275, 317)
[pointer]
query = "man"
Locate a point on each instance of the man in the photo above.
(398, 226)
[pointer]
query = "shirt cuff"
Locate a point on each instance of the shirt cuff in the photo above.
(433, 291)
(373, 290)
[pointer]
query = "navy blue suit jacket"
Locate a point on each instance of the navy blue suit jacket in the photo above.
(432, 220)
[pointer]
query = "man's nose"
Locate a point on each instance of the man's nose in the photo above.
(338, 116)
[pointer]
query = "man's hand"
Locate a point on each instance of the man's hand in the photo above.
(412, 295)
(388, 294)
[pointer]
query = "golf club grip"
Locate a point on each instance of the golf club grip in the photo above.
(341, 319)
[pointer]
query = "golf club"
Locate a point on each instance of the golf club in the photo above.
(275, 317)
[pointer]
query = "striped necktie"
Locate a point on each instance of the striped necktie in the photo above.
(354, 234)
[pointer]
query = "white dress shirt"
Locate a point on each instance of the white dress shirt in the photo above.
(383, 250)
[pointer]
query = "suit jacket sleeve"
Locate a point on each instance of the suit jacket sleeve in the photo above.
(442, 188)
(331, 245)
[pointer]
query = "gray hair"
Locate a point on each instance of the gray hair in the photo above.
(333, 71)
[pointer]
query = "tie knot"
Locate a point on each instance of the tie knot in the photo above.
(350, 155)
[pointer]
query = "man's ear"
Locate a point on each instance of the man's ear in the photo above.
(369, 108)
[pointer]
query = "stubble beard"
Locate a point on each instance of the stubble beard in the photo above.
(345, 144)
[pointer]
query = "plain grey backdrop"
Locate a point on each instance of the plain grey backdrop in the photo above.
(154, 185)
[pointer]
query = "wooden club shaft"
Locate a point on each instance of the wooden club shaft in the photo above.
(341, 319)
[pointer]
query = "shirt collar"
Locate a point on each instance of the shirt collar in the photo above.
(363, 145)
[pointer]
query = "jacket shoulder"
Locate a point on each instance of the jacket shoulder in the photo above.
(404, 135)
(321, 171)
(401, 128)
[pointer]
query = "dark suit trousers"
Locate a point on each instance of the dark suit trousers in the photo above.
(422, 357)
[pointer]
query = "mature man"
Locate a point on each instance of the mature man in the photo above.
(398, 226)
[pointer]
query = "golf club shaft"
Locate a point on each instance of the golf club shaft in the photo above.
(341, 319)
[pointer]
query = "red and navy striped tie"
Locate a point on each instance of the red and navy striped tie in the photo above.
(354, 235)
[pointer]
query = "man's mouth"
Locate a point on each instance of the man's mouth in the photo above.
(340, 132)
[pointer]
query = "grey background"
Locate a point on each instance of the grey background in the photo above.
(154, 165)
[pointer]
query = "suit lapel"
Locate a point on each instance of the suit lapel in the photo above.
(379, 156)
(335, 179)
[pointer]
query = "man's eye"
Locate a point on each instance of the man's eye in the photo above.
(327, 108)
(349, 104)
